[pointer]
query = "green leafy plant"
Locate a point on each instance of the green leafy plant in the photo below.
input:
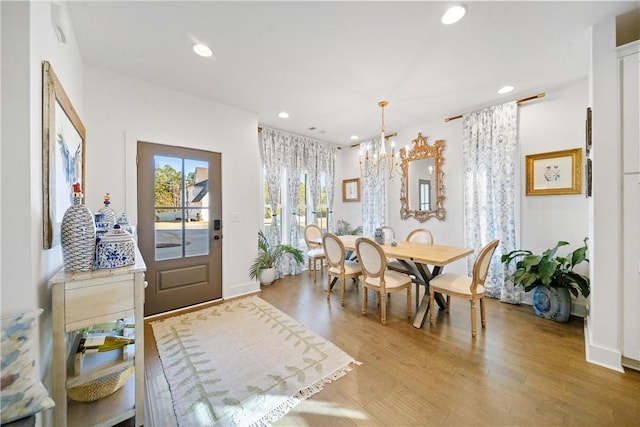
(344, 228)
(269, 255)
(550, 270)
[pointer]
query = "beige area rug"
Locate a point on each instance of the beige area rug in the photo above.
(242, 363)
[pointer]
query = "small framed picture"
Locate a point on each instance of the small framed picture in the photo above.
(588, 139)
(589, 169)
(557, 172)
(351, 190)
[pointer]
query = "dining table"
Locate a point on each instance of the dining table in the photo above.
(428, 259)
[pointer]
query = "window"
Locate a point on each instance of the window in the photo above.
(181, 207)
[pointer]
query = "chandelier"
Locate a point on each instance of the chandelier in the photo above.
(374, 160)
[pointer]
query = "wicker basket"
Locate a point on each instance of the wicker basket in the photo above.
(102, 387)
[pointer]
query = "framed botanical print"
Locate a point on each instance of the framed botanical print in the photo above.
(351, 190)
(557, 172)
(63, 154)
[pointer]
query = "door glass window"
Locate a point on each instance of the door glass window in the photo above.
(182, 208)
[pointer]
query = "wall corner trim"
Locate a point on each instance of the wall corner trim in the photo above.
(607, 358)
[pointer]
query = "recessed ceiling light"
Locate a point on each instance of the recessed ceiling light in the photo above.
(283, 115)
(202, 50)
(453, 14)
(505, 89)
(354, 137)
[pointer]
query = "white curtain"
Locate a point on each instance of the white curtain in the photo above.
(282, 151)
(373, 188)
(490, 150)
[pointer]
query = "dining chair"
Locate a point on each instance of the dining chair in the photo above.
(470, 288)
(419, 235)
(378, 278)
(315, 251)
(339, 267)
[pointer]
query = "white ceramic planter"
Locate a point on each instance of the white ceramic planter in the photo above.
(267, 276)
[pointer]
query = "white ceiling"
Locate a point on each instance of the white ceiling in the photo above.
(329, 63)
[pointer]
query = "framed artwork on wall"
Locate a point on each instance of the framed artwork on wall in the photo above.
(589, 169)
(557, 172)
(588, 140)
(63, 154)
(351, 190)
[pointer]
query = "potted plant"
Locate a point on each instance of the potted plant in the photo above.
(344, 228)
(262, 268)
(551, 278)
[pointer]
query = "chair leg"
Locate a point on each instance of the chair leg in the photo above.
(383, 308)
(315, 269)
(328, 286)
(483, 316)
(473, 317)
(432, 307)
(364, 299)
(342, 285)
(448, 303)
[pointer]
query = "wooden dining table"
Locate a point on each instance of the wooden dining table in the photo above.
(422, 256)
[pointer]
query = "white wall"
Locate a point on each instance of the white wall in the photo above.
(123, 110)
(555, 122)
(604, 320)
(27, 40)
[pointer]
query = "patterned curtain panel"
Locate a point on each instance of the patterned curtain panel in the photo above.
(292, 154)
(373, 188)
(273, 145)
(326, 163)
(293, 192)
(489, 150)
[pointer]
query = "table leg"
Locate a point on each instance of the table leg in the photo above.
(333, 282)
(423, 309)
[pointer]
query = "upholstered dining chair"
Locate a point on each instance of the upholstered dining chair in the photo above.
(378, 278)
(470, 288)
(420, 235)
(315, 251)
(339, 267)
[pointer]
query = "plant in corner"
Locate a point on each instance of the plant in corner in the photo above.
(262, 268)
(551, 278)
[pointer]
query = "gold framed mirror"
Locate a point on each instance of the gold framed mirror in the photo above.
(422, 187)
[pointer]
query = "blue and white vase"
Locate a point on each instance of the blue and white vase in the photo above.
(78, 235)
(115, 249)
(551, 303)
(379, 236)
(109, 215)
(125, 223)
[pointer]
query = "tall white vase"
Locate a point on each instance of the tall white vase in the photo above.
(78, 235)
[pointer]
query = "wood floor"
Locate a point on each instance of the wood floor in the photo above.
(520, 371)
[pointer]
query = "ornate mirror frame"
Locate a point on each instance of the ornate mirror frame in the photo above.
(422, 150)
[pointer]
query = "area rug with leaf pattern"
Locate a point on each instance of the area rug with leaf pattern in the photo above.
(242, 363)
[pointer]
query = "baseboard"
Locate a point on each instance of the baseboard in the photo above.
(607, 358)
(240, 290)
(631, 363)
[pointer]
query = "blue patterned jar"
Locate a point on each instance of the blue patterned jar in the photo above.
(78, 235)
(115, 249)
(125, 223)
(551, 303)
(109, 215)
(379, 236)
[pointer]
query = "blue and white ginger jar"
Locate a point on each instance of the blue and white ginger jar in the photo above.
(115, 249)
